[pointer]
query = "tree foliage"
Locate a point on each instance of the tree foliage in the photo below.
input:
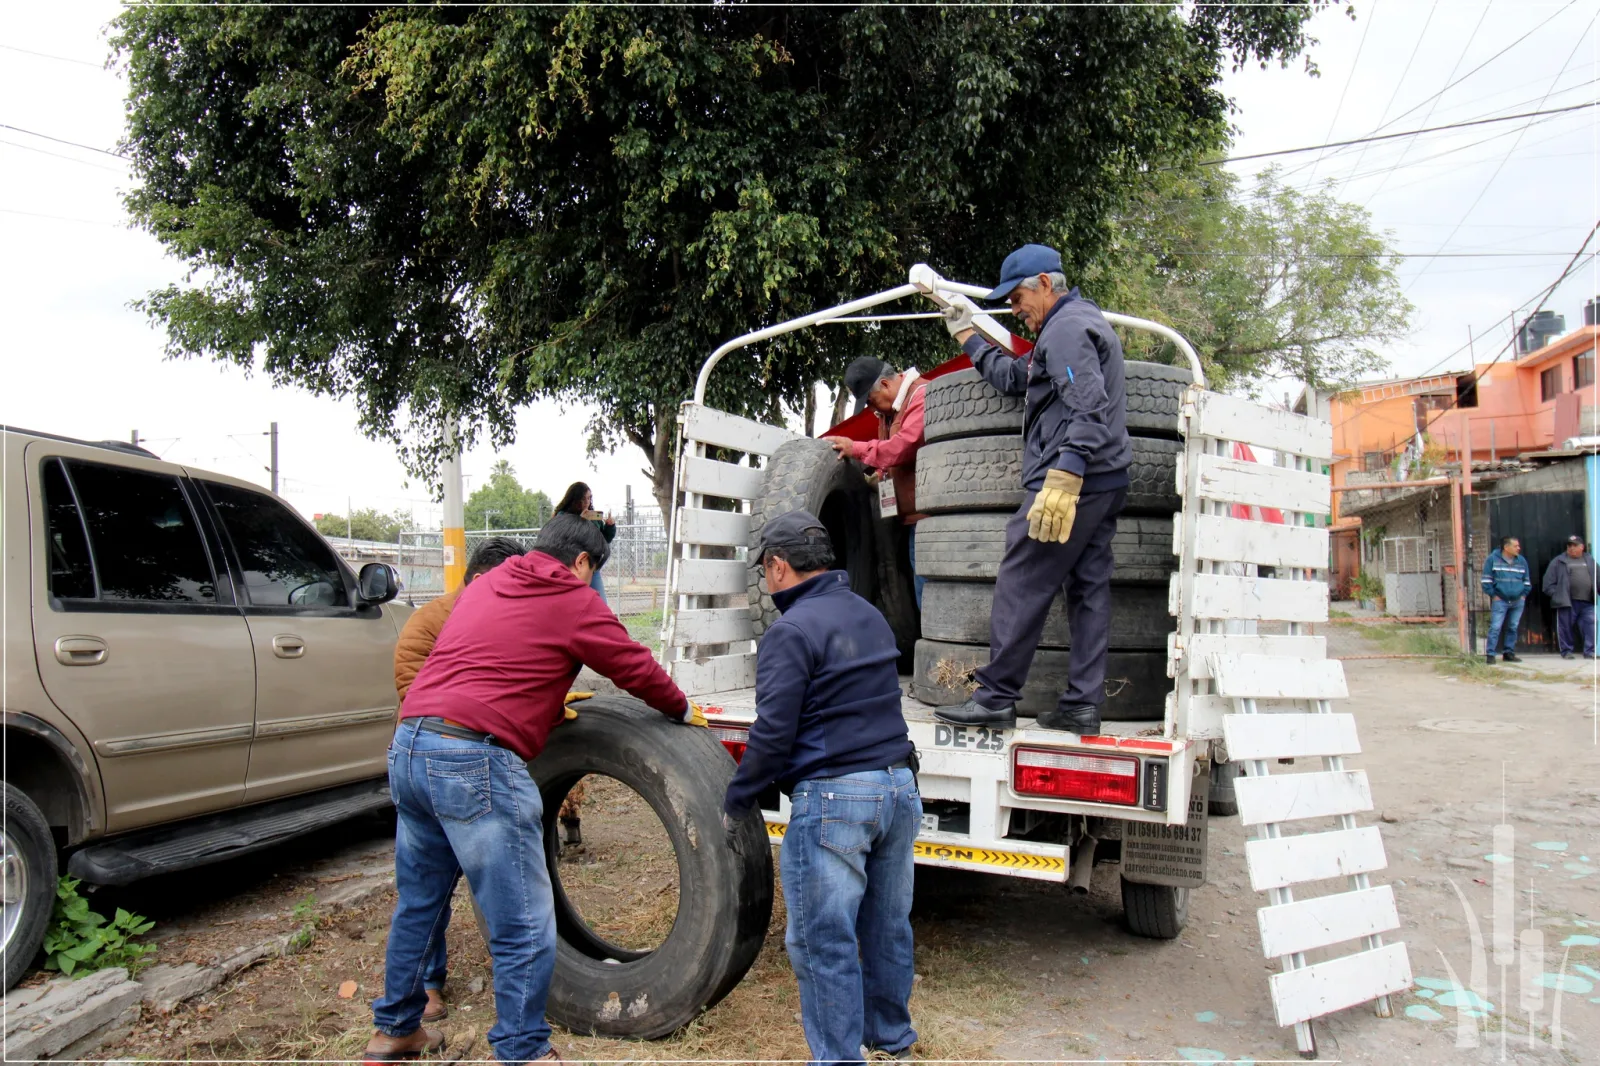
(1264, 280)
(502, 502)
(365, 523)
(446, 211)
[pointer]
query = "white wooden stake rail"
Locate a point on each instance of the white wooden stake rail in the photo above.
(1270, 697)
(695, 622)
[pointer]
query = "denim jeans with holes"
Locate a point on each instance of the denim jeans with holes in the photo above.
(847, 867)
(467, 807)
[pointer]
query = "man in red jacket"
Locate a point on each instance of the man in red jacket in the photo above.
(478, 712)
(898, 400)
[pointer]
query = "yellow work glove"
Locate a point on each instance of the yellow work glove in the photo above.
(574, 697)
(1050, 517)
(693, 715)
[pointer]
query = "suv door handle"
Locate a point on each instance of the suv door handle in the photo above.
(80, 651)
(288, 646)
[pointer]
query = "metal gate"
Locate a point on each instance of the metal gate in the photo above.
(1542, 521)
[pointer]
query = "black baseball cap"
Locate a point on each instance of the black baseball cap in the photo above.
(793, 529)
(862, 374)
(1575, 539)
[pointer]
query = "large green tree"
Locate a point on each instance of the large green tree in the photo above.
(446, 211)
(502, 502)
(1264, 280)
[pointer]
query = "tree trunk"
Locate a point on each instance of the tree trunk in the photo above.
(841, 405)
(811, 410)
(660, 470)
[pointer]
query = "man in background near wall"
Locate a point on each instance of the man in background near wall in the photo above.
(1507, 582)
(1570, 581)
(416, 641)
(898, 401)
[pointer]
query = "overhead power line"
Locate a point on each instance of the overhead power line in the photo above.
(1394, 136)
(62, 140)
(47, 55)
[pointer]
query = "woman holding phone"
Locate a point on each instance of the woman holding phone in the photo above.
(579, 500)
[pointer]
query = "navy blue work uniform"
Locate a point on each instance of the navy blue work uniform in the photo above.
(1075, 420)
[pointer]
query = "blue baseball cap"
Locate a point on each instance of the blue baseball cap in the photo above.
(1029, 261)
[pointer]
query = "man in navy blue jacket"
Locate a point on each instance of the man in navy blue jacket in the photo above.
(830, 733)
(1075, 457)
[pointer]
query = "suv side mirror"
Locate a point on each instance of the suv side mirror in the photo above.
(378, 583)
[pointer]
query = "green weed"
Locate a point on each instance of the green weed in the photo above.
(81, 940)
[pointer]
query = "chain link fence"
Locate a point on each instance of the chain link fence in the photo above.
(635, 575)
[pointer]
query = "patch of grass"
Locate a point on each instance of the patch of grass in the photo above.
(1332, 613)
(646, 627)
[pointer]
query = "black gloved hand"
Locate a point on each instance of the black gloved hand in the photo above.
(732, 832)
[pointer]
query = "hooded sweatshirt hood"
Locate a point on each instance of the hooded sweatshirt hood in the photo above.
(532, 574)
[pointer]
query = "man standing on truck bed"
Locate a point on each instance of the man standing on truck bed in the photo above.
(1075, 461)
(898, 400)
(829, 731)
(480, 710)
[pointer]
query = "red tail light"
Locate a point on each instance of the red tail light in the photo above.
(734, 738)
(1067, 775)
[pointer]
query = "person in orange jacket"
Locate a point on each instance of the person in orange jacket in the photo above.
(417, 639)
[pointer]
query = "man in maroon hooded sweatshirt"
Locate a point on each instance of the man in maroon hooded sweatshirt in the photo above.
(478, 712)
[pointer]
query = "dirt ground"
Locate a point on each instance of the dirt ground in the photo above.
(1019, 970)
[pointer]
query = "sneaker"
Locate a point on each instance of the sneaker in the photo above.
(1566, 655)
(1511, 657)
(1489, 659)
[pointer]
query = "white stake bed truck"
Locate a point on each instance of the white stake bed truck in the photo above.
(1030, 802)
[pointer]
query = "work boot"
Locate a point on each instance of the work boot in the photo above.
(572, 831)
(1511, 657)
(385, 1048)
(437, 1009)
(1566, 655)
(1489, 659)
(1080, 718)
(974, 713)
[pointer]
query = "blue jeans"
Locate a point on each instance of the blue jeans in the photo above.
(919, 581)
(1575, 622)
(469, 807)
(847, 869)
(1507, 615)
(597, 584)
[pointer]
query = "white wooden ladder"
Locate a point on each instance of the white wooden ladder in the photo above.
(1273, 694)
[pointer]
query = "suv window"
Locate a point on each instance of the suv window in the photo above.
(285, 564)
(145, 543)
(71, 571)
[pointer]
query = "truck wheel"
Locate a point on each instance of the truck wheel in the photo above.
(969, 547)
(1222, 800)
(808, 475)
(964, 405)
(724, 896)
(959, 611)
(985, 474)
(27, 883)
(1157, 911)
(1136, 681)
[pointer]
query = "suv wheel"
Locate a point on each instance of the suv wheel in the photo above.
(27, 883)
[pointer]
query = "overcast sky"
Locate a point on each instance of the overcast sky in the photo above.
(77, 360)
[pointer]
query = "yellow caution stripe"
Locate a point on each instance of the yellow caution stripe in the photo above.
(1014, 860)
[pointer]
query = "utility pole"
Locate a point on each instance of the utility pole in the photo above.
(133, 438)
(273, 433)
(349, 537)
(455, 537)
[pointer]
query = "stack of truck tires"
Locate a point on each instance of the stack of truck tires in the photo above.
(969, 484)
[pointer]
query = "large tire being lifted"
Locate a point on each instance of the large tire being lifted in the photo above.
(959, 611)
(33, 880)
(969, 547)
(1157, 911)
(1136, 681)
(724, 896)
(964, 405)
(985, 474)
(808, 475)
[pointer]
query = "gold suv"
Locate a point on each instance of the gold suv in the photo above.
(191, 673)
